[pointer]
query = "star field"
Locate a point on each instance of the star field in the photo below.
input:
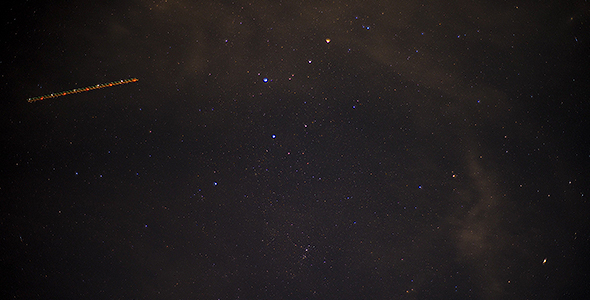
(296, 150)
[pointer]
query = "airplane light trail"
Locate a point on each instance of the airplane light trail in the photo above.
(84, 89)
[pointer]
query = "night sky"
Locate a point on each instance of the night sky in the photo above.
(296, 150)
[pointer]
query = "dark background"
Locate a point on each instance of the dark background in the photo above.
(429, 150)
